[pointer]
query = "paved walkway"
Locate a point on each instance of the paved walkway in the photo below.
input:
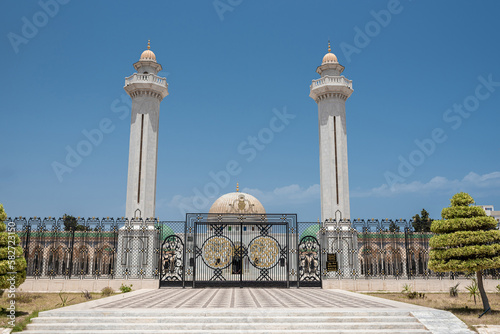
(247, 298)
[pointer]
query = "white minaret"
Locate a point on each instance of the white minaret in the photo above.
(146, 90)
(330, 93)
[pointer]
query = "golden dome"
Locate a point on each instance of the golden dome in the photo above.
(329, 57)
(148, 54)
(237, 203)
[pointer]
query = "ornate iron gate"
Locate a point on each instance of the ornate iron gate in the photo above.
(172, 262)
(217, 250)
(309, 262)
(241, 254)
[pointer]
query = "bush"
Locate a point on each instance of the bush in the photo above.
(11, 256)
(415, 294)
(454, 290)
(125, 288)
(86, 294)
(473, 290)
(107, 291)
(406, 289)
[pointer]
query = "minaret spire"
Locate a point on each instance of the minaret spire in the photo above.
(330, 93)
(237, 187)
(146, 91)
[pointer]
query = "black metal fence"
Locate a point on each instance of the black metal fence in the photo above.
(118, 248)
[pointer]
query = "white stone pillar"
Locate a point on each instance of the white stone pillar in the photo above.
(147, 90)
(330, 93)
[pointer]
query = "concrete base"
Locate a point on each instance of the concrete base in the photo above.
(358, 285)
(394, 285)
(79, 285)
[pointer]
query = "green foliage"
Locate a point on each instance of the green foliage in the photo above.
(11, 256)
(3, 216)
(498, 288)
(19, 327)
(463, 224)
(462, 212)
(473, 290)
(125, 288)
(464, 238)
(64, 300)
(71, 224)
(454, 290)
(467, 252)
(462, 199)
(393, 227)
(415, 294)
(422, 222)
(406, 289)
(467, 238)
(410, 294)
(107, 291)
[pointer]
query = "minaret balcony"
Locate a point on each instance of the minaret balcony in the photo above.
(331, 84)
(140, 81)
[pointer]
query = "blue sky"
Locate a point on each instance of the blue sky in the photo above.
(423, 72)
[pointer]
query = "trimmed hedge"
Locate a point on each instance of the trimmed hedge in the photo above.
(466, 252)
(467, 239)
(463, 238)
(463, 224)
(463, 212)
(467, 266)
(18, 263)
(4, 252)
(4, 239)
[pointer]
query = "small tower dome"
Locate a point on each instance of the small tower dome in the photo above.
(329, 57)
(148, 54)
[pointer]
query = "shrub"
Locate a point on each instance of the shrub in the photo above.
(473, 290)
(107, 291)
(86, 294)
(454, 290)
(125, 288)
(406, 289)
(64, 300)
(11, 255)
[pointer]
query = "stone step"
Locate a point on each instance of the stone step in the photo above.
(218, 331)
(171, 313)
(223, 326)
(222, 321)
(226, 319)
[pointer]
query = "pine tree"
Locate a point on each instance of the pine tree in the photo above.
(422, 222)
(467, 240)
(11, 256)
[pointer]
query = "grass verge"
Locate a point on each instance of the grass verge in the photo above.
(462, 306)
(29, 304)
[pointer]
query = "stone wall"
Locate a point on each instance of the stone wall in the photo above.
(396, 285)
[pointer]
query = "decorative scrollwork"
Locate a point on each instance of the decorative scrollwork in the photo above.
(172, 258)
(217, 252)
(264, 252)
(309, 259)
